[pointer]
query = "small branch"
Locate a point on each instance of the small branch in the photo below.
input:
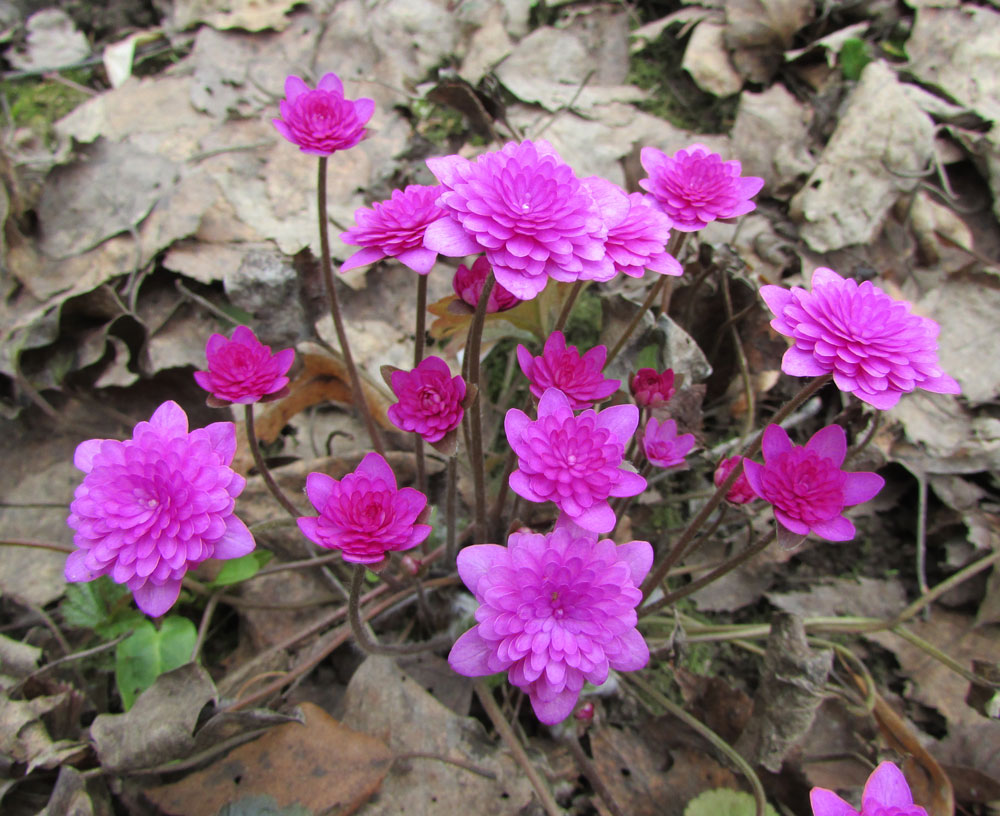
(38, 545)
(588, 770)
(458, 763)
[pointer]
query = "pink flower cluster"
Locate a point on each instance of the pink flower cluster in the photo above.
(886, 793)
(555, 611)
(560, 366)
(468, 284)
(431, 401)
(322, 121)
(663, 447)
(243, 370)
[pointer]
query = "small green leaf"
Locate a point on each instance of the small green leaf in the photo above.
(101, 605)
(724, 802)
(648, 357)
(240, 569)
(147, 653)
(261, 806)
(853, 57)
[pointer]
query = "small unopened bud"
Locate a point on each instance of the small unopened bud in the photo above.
(740, 492)
(412, 565)
(585, 713)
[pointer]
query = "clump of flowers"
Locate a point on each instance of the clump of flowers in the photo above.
(662, 446)
(886, 793)
(695, 186)
(243, 370)
(652, 389)
(574, 461)
(395, 228)
(364, 515)
(740, 492)
(874, 346)
(431, 401)
(322, 121)
(806, 486)
(527, 211)
(638, 241)
(154, 506)
(555, 611)
(578, 376)
(468, 285)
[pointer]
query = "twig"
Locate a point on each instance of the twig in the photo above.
(206, 620)
(95, 650)
(588, 770)
(458, 763)
(922, 535)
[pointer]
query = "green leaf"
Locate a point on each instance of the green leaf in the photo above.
(101, 605)
(649, 357)
(147, 653)
(724, 802)
(240, 569)
(261, 806)
(853, 57)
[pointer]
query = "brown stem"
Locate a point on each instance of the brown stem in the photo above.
(418, 356)
(587, 768)
(451, 542)
(474, 413)
(360, 403)
(262, 469)
(567, 308)
(654, 293)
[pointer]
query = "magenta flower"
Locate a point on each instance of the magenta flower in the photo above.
(526, 209)
(555, 610)
(651, 389)
(322, 121)
(806, 486)
(430, 399)
(364, 515)
(395, 228)
(574, 461)
(740, 492)
(886, 794)
(638, 241)
(876, 348)
(662, 446)
(562, 367)
(695, 186)
(468, 285)
(243, 370)
(154, 506)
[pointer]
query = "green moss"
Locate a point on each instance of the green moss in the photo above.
(438, 124)
(37, 103)
(583, 329)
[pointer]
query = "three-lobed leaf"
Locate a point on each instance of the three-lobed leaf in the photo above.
(149, 652)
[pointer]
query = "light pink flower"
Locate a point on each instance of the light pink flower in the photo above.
(638, 242)
(876, 348)
(243, 370)
(154, 506)
(886, 794)
(430, 399)
(651, 389)
(364, 515)
(561, 366)
(322, 121)
(395, 228)
(695, 186)
(806, 486)
(662, 446)
(526, 209)
(468, 285)
(555, 611)
(740, 492)
(574, 461)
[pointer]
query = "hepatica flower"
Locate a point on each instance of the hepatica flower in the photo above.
(468, 285)
(395, 228)
(431, 401)
(561, 366)
(663, 447)
(574, 461)
(806, 486)
(695, 186)
(555, 610)
(886, 794)
(740, 492)
(651, 388)
(526, 209)
(638, 241)
(322, 121)
(243, 370)
(874, 346)
(154, 506)
(364, 515)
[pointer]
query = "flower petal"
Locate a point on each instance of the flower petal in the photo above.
(886, 787)
(774, 442)
(470, 654)
(830, 442)
(861, 487)
(826, 803)
(476, 561)
(156, 600)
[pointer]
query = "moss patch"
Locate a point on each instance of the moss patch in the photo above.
(37, 103)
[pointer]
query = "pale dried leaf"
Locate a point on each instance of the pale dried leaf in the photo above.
(252, 15)
(707, 60)
(53, 41)
(865, 597)
(759, 31)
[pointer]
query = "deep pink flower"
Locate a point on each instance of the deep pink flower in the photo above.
(155, 505)
(662, 446)
(638, 242)
(695, 186)
(364, 515)
(430, 399)
(651, 388)
(322, 121)
(526, 209)
(468, 285)
(876, 348)
(806, 486)
(886, 794)
(395, 228)
(561, 366)
(243, 370)
(574, 461)
(555, 610)
(740, 492)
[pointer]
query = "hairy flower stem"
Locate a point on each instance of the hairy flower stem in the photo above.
(262, 468)
(567, 308)
(682, 545)
(451, 542)
(501, 500)
(360, 403)
(472, 352)
(418, 355)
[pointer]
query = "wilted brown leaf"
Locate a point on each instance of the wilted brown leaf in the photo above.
(759, 31)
